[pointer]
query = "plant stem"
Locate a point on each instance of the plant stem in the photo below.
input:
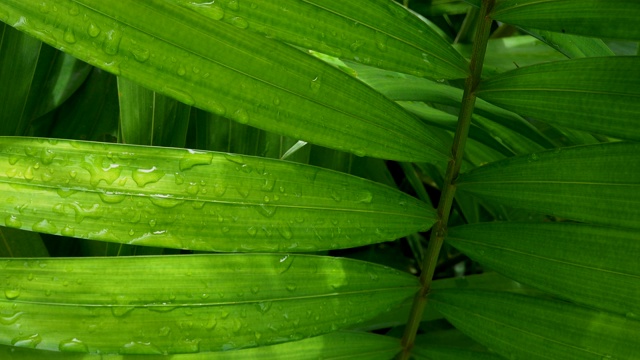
(439, 230)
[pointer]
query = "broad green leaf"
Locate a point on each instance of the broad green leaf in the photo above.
(332, 346)
(198, 200)
(518, 326)
(184, 304)
(592, 94)
(148, 118)
(585, 264)
(616, 19)
(380, 32)
(591, 183)
(19, 243)
(220, 68)
(451, 353)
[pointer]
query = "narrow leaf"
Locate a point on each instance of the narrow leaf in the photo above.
(518, 326)
(332, 346)
(19, 243)
(585, 264)
(184, 304)
(381, 33)
(451, 353)
(601, 96)
(608, 19)
(220, 68)
(591, 183)
(197, 200)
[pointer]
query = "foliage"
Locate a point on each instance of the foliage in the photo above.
(323, 127)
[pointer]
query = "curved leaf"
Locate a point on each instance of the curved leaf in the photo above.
(585, 264)
(616, 19)
(517, 326)
(599, 95)
(380, 33)
(184, 304)
(591, 183)
(200, 200)
(221, 68)
(332, 346)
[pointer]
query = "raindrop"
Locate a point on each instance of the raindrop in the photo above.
(208, 9)
(68, 231)
(252, 231)
(11, 294)
(143, 177)
(181, 70)
(112, 198)
(30, 341)
(366, 197)
(285, 263)
(264, 307)
(266, 210)
(179, 95)
(291, 287)
(335, 196)
(140, 54)
(381, 41)
(216, 108)
(13, 222)
(28, 174)
(69, 36)
(356, 45)
(93, 30)
(111, 43)
(120, 311)
(241, 116)
(255, 289)
(193, 189)
(44, 226)
(73, 345)
(315, 84)
(239, 22)
(285, 231)
(139, 347)
(533, 157)
(165, 201)
(233, 5)
(194, 158)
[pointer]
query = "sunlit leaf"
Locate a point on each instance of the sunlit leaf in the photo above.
(220, 68)
(197, 200)
(185, 304)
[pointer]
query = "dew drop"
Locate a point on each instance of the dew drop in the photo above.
(216, 108)
(285, 263)
(111, 43)
(69, 36)
(533, 157)
(44, 226)
(233, 5)
(194, 158)
(291, 287)
(366, 197)
(165, 201)
(381, 41)
(266, 210)
(182, 71)
(179, 95)
(93, 30)
(10, 319)
(241, 116)
(143, 177)
(140, 348)
(315, 84)
(68, 231)
(209, 10)
(356, 45)
(13, 222)
(30, 341)
(239, 22)
(73, 345)
(264, 307)
(252, 231)
(121, 311)
(112, 198)
(285, 232)
(140, 54)
(12, 294)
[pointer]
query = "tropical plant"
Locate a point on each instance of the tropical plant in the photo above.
(518, 116)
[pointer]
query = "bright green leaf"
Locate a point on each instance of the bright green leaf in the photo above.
(185, 304)
(599, 95)
(609, 19)
(592, 183)
(380, 32)
(221, 68)
(585, 264)
(518, 326)
(197, 200)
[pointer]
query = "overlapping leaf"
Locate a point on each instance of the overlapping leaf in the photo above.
(582, 263)
(518, 326)
(186, 304)
(616, 19)
(220, 68)
(194, 199)
(591, 183)
(599, 95)
(380, 33)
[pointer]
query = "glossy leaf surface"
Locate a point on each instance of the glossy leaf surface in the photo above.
(219, 67)
(602, 96)
(379, 32)
(591, 183)
(585, 264)
(185, 304)
(197, 200)
(531, 328)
